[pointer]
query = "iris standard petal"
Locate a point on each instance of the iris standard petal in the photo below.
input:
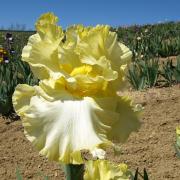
(42, 57)
(47, 28)
(100, 41)
(42, 52)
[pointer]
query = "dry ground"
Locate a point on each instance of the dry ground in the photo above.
(152, 147)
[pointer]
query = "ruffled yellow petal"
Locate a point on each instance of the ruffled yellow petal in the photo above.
(118, 53)
(75, 33)
(122, 115)
(100, 41)
(47, 28)
(100, 44)
(104, 170)
(42, 57)
(42, 50)
(21, 98)
(68, 59)
(91, 47)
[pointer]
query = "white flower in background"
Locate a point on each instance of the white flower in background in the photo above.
(146, 30)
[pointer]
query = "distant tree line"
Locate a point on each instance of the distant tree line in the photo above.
(16, 27)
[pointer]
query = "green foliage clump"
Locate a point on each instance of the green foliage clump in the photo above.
(143, 73)
(13, 71)
(148, 73)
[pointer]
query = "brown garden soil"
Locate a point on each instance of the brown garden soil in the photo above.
(152, 147)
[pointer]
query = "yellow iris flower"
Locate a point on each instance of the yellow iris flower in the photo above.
(75, 106)
(105, 170)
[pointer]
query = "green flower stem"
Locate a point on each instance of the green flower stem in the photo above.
(74, 172)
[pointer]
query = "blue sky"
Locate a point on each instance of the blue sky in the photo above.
(89, 12)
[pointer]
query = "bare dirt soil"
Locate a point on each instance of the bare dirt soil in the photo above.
(151, 148)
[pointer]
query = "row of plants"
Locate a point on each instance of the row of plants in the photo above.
(144, 73)
(159, 40)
